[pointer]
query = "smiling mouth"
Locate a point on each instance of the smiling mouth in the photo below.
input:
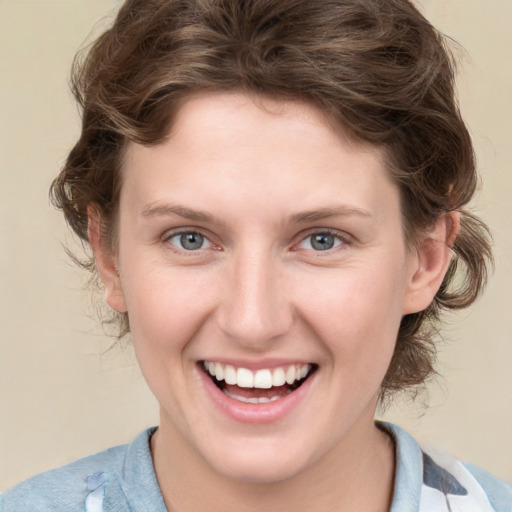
(261, 386)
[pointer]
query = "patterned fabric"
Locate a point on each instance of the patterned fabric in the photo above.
(451, 488)
(122, 479)
(96, 492)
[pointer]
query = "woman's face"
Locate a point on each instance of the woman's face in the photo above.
(259, 242)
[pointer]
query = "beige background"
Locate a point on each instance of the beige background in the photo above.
(61, 398)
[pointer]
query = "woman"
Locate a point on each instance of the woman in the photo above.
(275, 196)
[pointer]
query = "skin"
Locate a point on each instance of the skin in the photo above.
(258, 291)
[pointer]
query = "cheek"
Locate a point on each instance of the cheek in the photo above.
(165, 306)
(357, 311)
(351, 295)
(166, 310)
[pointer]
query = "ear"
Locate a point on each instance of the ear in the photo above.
(105, 262)
(429, 263)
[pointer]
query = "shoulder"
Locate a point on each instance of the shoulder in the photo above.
(429, 480)
(498, 492)
(65, 488)
(74, 486)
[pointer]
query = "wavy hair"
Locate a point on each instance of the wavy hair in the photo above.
(376, 66)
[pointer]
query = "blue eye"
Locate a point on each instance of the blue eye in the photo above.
(190, 241)
(321, 242)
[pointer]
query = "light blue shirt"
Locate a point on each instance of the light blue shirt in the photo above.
(122, 479)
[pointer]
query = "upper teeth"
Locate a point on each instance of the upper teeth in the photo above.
(263, 379)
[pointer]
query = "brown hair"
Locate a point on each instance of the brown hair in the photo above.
(377, 66)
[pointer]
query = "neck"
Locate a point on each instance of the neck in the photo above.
(357, 475)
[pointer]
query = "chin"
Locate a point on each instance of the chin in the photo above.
(260, 472)
(260, 462)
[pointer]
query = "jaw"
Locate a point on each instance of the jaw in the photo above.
(254, 452)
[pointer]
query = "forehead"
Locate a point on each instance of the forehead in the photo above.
(255, 151)
(206, 113)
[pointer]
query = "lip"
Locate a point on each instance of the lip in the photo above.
(265, 413)
(257, 365)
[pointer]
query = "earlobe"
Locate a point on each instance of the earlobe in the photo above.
(105, 262)
(430, 262)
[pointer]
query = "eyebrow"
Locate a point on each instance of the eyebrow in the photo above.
(152, 210)
(325, 213)
(299, 218)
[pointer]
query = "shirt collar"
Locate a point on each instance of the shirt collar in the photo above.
(139, 480)
(408, 470)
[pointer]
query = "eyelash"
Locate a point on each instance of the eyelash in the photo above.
(166, 238)
(341, 240)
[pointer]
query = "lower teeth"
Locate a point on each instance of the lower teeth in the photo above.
(252, 400)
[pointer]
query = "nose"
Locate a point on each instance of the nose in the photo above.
(255, 310)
